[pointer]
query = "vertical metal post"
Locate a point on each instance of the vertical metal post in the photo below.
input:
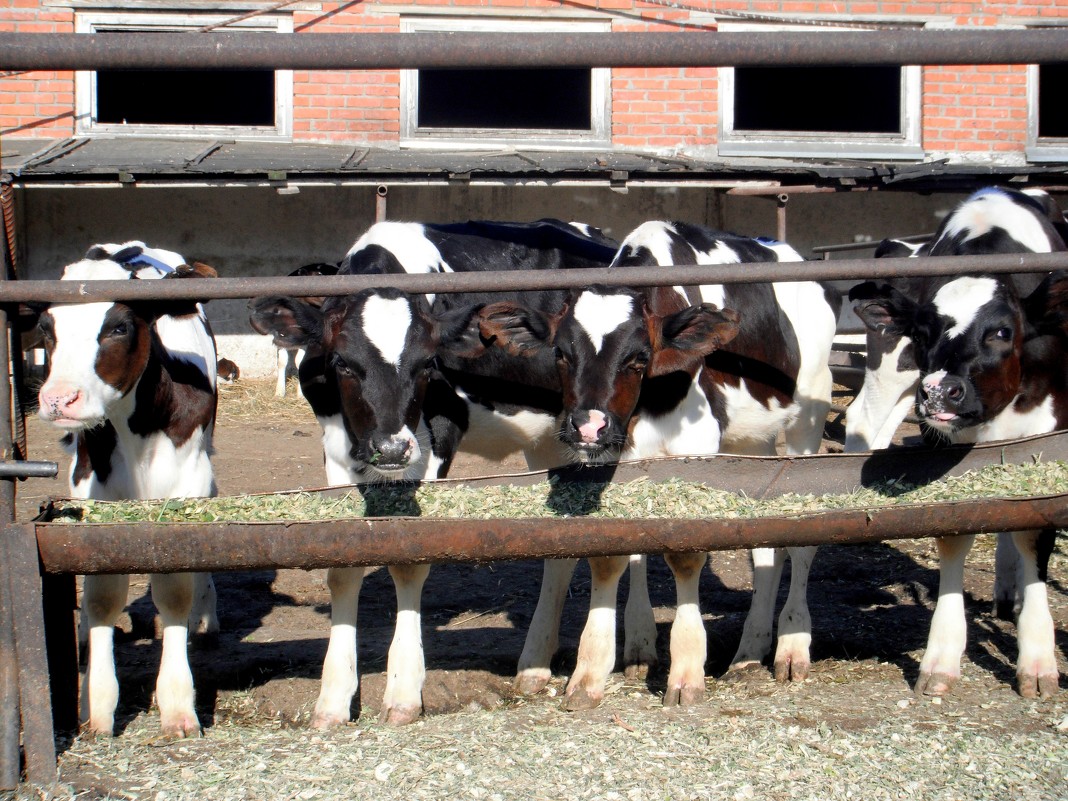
(380, 203)
(780, 215)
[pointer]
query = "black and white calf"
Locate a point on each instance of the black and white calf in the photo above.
(399, 383)
(992, 366)
(134, 385)
(991, 221)
(648, 374)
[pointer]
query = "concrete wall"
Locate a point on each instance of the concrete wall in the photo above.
(258, 232)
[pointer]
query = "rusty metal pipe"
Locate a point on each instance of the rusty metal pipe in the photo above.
(179, 547)
(431, 50)
(500, 281)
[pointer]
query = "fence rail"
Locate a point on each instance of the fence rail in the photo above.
(432, 50)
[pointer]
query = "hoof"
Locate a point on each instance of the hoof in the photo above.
(639, 671)
(684, 696)
(181, 726)
(324, 720)
(91, 733)
(791, 670)
(581, 699)
(205, 641)
(1005, 609)
(935, 685)
(742, 671)
(400, 715)
(1031, 686)
(531, 682)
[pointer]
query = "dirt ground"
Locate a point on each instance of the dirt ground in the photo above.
(871, 607)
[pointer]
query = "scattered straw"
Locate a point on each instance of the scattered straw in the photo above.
(672, 499)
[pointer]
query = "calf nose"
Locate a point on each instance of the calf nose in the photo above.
(393, 451)
(57, 400)
(588, 424)
(942, 392)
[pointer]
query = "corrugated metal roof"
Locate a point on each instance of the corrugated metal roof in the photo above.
(142, 159)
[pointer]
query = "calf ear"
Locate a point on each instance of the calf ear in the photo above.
(519, 330)
(882, 308)
(154, 309)
(1047, 307)
(290, 321)
(456, 332)
(690, 335)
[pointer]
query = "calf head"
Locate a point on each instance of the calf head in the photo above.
(370, 358)
(608, 344)
(969, 342)
(97, 352)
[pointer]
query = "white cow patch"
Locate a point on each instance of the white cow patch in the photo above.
(994, 209)
(408, 244)
(961, 300)
(600, 315)
(386, 323)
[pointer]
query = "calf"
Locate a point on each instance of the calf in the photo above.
(134, 385)
(647, 374)
(400, 382)
(992, 366)
(990, 221)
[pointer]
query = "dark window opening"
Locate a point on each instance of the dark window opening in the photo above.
(177, 97)
(1052, 110)
(555, 99)
(818, 99)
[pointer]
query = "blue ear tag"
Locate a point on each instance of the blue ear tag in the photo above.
(142, 259)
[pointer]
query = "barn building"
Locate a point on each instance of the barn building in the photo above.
(260, 171)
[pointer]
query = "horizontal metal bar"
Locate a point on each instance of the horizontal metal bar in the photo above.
(179, 547)
(19, 469)
(502, 281)
(162, 50)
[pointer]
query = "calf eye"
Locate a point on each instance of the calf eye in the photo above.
(1003, 334)
(120, 330)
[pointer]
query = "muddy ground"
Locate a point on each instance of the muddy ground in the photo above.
(871, 607)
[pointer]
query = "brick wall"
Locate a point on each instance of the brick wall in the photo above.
(981, 111)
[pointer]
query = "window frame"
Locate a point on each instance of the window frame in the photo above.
(1040, 148)
(907, 144)
(85, 80)
(600, 131)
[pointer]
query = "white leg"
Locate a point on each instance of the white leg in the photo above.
(1006, 565)
(298, 357)
(689, 644)
(280, 379)
(173, 595)
(405, 670)
(203, 618)
(1036, 668)
(543, 636)
(597, 646)
(103, 599)
(756, 633)
(940, 666)
(639, 624)
(884, 399)
(339, 668)
(792, 659)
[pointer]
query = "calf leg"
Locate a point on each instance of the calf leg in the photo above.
(689, 644)
(280, 379)
(405, 669)
(756, 632)
(940, 666)
(639, 624)
(1005, 578)
(339, 668)
(597, 646)
(792, 659)
(203, 618)
(1036, 668)
(173, 595)
(103, 599)
(543, 636)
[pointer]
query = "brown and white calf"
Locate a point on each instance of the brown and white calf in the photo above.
(133, 384)
(648, 374)
(399, 383)
(991, 365)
